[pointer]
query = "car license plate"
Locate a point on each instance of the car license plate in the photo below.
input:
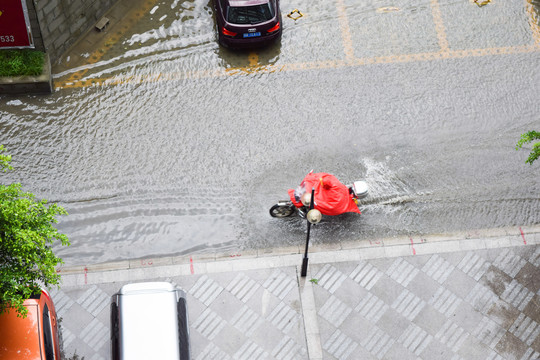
(255, 34)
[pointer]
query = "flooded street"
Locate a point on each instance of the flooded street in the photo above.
(161, 142)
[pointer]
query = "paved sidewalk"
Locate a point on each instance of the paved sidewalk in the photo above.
(460, 296)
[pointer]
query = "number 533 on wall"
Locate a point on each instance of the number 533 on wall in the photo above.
(14, 25)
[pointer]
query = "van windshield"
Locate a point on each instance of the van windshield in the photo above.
(250, 14)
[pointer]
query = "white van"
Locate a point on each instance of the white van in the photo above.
(149, 321)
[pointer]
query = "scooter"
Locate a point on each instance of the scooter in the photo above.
(285, 208)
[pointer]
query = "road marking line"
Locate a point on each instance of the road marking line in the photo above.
(439, 26)
(267, 69)
(110, 39)
(345, 31)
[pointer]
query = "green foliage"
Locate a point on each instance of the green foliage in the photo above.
(27, 233)
(4, 160)
(315, 281)
(529, 137)
(21, 62)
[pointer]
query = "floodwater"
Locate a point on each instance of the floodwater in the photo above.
(189, 144)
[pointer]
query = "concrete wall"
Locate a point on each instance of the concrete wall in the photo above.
(59, 23)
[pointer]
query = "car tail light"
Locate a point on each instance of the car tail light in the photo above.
(274, 28)
(228, 32)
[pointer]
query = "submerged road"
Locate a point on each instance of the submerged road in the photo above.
(158, 141)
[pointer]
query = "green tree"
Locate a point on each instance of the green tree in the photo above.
(27, 234)
(529, 137)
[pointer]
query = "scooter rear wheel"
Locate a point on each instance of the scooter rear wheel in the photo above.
(281, 211)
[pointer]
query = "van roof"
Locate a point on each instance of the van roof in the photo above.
(148, 317)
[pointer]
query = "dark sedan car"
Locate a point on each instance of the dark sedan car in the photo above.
(247, 23)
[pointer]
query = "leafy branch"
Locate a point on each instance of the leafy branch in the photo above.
(27, 235)
(527, 138)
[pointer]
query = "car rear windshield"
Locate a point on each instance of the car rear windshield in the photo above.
(250, 14)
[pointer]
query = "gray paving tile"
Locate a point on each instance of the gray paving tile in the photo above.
(371, 308)
(467, 317)
(340, 346)
(408, 304)
(502, 313)
(397, 351)
(402, 272)
(473, 349)
(452, 335)
(529, 276)
(430, 320)
(350, 292)
(415, 339)
(532, 309)
(288, 349)
(474, 265)
(460, 283)
(510, 347)
(496, 280)
(365, 274)
(377, 343)
(438, 351)
(423, 286)
(355, 326)
(387, 289)
(392, 323)
(334, 311)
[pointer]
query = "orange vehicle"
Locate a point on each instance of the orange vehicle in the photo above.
(34, 337)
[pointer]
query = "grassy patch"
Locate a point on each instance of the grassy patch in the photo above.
(21, 62)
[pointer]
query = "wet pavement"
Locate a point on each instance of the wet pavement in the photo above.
(459, 296)
(157, 141)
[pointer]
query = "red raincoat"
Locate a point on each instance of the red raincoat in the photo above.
(331, 196)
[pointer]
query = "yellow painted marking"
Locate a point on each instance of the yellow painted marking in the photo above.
(267, 69)
(253, 59)
(112, 38)
(482, 3)
(345, 31)
(254, 66)
(295, 14)
(387, 9)
(439, 26)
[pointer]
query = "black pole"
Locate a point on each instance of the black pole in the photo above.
(306, 259)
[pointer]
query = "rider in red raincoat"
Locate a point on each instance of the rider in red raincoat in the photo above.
(331, 196)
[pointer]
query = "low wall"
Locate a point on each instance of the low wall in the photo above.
(17, 85)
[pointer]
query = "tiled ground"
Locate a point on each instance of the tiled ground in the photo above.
(465, 305)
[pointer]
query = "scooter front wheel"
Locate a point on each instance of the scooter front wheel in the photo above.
(281, 211)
